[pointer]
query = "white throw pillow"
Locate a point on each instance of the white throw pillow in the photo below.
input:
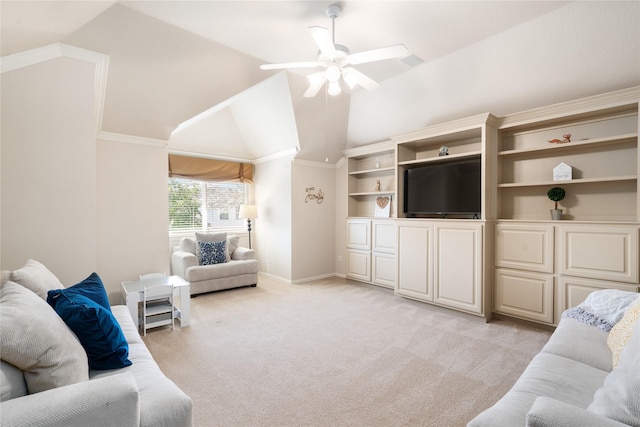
(618, 398)
(36, 340)
(233, 241)
(37, 278)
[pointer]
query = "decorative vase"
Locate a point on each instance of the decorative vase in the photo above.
(556, 214)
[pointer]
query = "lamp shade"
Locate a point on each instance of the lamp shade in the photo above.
(248, 211)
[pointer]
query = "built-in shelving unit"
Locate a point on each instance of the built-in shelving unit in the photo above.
(513, 260)
(471, 137)
(603, 155)
(368, 168)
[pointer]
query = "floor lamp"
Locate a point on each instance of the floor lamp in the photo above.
(248, 212)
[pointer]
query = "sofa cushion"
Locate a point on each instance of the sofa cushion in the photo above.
(548, 375)
(12, 382)
(213, 252)
(162, 403)
(603, 308)
(621, 333)
(592, 349)
(34, 339)
(619, 397)
(199, 273)
(34, 276)
(91, 287)
(95, 326)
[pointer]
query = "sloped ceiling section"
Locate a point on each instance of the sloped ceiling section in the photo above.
(161, 75)
(256, 123)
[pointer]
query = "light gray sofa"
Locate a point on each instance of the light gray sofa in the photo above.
(45, 368)
(137, 395)
(240, 269)
(571, 382)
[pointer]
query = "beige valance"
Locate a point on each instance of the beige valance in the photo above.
(209, 169)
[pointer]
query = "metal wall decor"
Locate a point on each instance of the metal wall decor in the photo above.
(318, 197)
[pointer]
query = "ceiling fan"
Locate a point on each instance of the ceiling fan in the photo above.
(335, 61)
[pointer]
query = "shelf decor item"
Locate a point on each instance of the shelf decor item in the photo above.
(556, 194)
(383, 207)
(562, 172)
(444, 151)
(565, 138)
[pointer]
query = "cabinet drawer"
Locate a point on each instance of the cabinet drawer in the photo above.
(607, 253)
(383, 269)
(359, 265)
(525, 247)
(574, 290)
(359, 234)
(525, 295)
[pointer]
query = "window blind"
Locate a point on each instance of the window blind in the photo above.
(209, 169)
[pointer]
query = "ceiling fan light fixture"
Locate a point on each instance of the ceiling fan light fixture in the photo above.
(334, 88)
(316, 78)
(333, 73)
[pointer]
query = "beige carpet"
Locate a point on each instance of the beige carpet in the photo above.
(338, 353)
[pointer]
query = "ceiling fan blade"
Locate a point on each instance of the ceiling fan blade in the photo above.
(316, 81)
(323, 40)
(391, 52)
(354, 77)
(309, 64)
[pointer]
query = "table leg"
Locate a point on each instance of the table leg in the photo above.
(132, 305)
(185, 303)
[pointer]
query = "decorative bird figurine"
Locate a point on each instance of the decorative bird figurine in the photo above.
(566, 136)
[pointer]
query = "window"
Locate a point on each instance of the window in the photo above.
(202, 205)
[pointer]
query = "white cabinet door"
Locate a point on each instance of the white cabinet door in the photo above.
(525, 247)
(525, 295)
(415, 261)
(574, 290)
(458, 266)
(359, 234)
(383, 269)
(359, 265)
(384, 236)
(607, 253)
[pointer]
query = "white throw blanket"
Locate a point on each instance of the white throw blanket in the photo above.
(602, 309)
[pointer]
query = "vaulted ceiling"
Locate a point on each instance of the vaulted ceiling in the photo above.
(188, 71)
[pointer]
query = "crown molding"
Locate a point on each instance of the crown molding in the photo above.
(58, 50)
(322, 165)
(620, 99)
(284, 153)
(131, 139)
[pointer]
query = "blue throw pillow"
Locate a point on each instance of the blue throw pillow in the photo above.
(212, 252)
(97, 329)
(91, 287)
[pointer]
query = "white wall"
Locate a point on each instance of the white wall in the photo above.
(49, 168)
(272, 236)
(582, 49)
(132, 216)
(73, 203)
(312, 223)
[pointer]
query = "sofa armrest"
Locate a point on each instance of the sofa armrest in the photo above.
(548, 412)
(180, 261)
(101, 402)
(243, 254)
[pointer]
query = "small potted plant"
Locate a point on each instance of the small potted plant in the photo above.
(556, 194)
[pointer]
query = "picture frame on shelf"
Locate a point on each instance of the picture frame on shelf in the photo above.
(382, 207)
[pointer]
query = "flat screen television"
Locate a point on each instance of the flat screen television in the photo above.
(443, 188)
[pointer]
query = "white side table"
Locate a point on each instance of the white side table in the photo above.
(133, 293)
